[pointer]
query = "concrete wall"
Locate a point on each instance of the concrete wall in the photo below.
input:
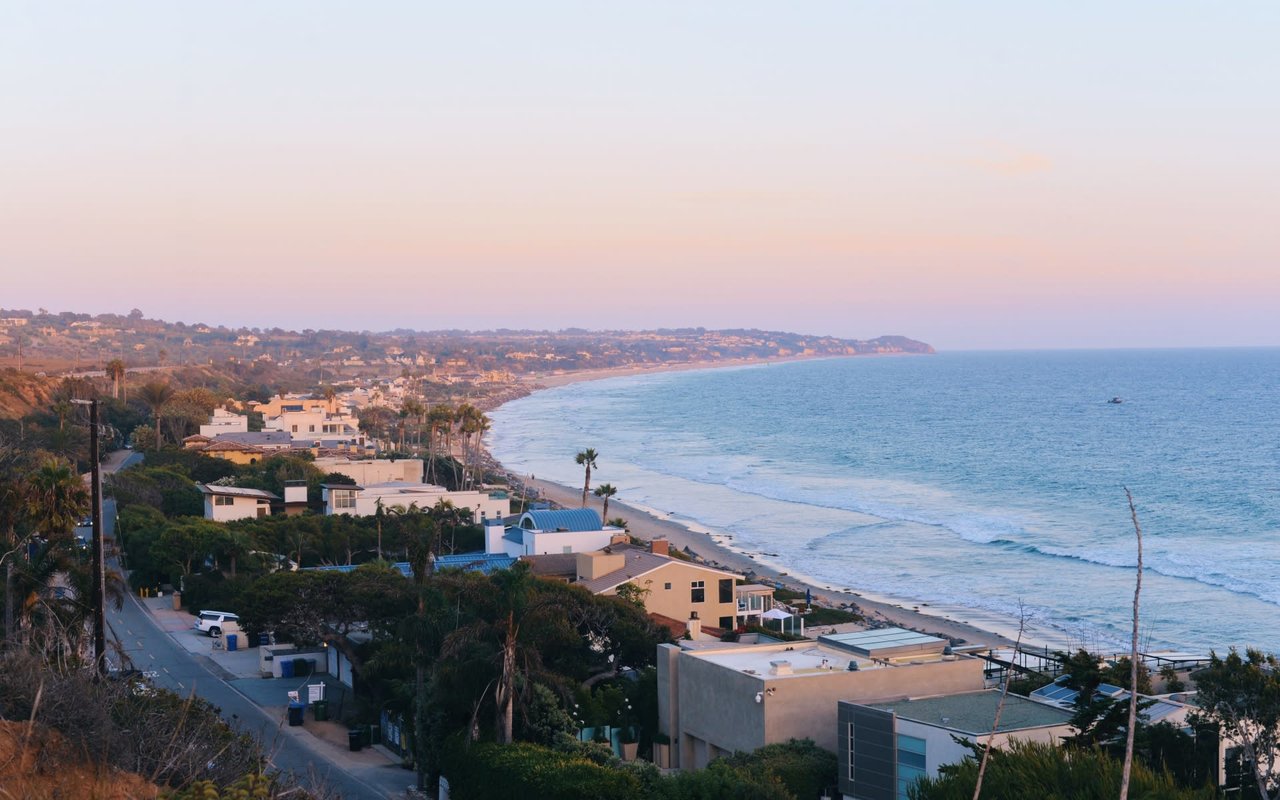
(718, 712)
(805, 706)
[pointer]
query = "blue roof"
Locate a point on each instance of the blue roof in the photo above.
(403, 566)
(570, 519)
(483, 563)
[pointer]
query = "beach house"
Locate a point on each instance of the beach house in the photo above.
(716, 699)
(573, 530)
(681, 593)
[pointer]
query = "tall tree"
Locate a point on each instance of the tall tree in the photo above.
(1133, 662)
(115, 371)
(586, 459)
(1243, 695)
(605, 490)
(156, 395)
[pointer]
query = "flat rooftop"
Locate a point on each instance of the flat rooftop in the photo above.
(887, 643)
(805, 659)
(973, 712)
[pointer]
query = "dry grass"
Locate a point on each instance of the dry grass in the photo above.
(44, 766)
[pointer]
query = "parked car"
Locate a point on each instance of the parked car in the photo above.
(212, 622)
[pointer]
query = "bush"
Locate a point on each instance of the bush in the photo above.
(516, 771)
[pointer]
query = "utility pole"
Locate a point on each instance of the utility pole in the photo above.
(97, 603)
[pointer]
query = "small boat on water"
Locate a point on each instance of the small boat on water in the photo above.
(1115, 401)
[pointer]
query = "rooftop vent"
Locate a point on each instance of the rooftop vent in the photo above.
(780, 668)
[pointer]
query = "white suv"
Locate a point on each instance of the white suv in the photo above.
(212, 622)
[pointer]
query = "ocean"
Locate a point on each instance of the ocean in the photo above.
(991, 481)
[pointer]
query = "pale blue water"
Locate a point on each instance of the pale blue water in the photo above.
(974, 479)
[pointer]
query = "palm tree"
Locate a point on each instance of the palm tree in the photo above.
(510, 621)
(587, 458)
(605, 490)
(156, 395)
(57, 499)
(115, 371)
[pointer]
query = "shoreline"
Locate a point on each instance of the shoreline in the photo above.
(966, 626)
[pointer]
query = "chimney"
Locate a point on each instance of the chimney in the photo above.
(493, 531)
(694, 626)
(659, 546)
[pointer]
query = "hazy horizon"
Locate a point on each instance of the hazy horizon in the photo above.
(987, 176)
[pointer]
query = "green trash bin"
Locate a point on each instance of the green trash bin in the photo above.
(321, 710)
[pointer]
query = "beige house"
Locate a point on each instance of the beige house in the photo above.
(371, 471)
(716, 699)
(679, 590)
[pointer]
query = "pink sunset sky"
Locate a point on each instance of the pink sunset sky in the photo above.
(985, 175)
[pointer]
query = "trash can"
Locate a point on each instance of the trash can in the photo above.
(366, 736)
(177, 601)
(232, 640)
(296, 711)
(321, 710)
(354, 740)
(286, 668)
(301, 667)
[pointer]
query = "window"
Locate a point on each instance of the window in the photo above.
(344, 498)
(911, 762)
(698, 592)
(666, 586)
(223, 500)
(851, 751)
(295, 428)
(311, 429)
(568, 548)
(726, 623)
(726, 590)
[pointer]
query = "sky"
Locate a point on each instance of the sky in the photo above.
(975, 175)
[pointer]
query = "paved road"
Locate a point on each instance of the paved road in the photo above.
(151, 649)
(292, 751)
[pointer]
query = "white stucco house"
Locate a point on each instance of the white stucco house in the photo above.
(224, 503)
(224, 421)
(363, 500)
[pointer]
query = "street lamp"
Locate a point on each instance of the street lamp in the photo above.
(98, 602)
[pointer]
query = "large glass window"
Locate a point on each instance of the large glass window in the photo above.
(911, 762)
(726, 590)
(344, 499)
(697, 592)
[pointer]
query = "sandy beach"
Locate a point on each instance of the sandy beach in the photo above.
(971, 626)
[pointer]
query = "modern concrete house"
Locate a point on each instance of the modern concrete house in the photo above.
(885, 747)
(715, 699)
(672, 588)
(224, 503)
